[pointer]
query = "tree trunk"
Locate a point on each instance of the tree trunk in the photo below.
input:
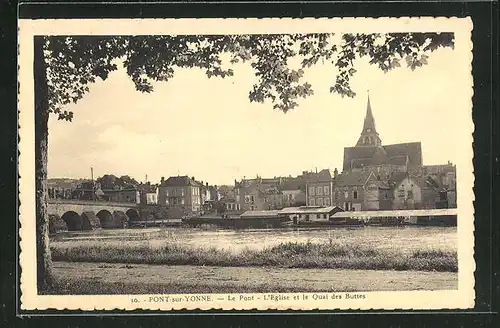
(44, 261)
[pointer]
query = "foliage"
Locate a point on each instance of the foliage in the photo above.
(285, 255)
(110, 181)
(75, 62)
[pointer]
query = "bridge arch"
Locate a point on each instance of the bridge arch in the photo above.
(89, 221)
(133, 215)
(105, 219)
(73, 220)
(56, 224)
(120, 219)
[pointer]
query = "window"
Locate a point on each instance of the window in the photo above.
(251, 199)
(166, 192)
(327, 201)
(355, 194)
(311, 191)
(410, 194)
(312, 202)
(182, 201)
(346, 194)
(401, 193)
(319, 191)
(320, 202)
(326, 190)
(337, 195)
(182, 192)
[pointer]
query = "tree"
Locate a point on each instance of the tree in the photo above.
(110, 181)
(65, 66)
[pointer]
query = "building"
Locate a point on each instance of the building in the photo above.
(309, 213)
(382, 159)
(319, 188)
(361, 191)
(126, 195)
(256, 194)
(182, 192)
(383, 177)
(406, 192)
(62, 188)
(148, 193)
(293, 192)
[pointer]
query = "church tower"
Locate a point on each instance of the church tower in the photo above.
(369, 136)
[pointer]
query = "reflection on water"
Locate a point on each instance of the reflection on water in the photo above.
(392, 238)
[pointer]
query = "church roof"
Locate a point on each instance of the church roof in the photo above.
(396, 154)
(411, 149)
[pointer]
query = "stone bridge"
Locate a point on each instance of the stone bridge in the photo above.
(87, 215)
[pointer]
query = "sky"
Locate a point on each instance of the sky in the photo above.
(207, 128)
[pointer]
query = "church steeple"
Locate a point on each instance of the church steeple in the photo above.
(369, 136)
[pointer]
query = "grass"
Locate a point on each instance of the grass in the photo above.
(96, 287)
(285, 255)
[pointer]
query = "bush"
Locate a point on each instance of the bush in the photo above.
(287, 255)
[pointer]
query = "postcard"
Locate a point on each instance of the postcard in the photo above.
(244, 164)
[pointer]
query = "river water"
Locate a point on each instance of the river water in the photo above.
(405, 239)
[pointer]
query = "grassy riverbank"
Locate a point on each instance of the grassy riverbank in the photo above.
(285, 255)
(84, 278)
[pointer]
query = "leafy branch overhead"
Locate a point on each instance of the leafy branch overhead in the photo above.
(77, 61)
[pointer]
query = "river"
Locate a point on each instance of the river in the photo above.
(403, 239)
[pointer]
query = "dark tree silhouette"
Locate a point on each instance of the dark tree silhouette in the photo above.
(65, 66)
(110, 181)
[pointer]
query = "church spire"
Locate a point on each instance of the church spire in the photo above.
(369, 124)
(369, 135)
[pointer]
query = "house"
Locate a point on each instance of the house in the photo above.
(63, 188)
(293, 192)
(182, 192)
(257, 194)
(440, 190)
(309, 213)
(148, 193)
(406, 191)
(230, 204)
(319, 189)
(119, 195)
(361, 191)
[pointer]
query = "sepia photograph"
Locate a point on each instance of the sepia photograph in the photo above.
(271, 164)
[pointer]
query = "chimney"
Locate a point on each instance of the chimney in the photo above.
(162, 179)
(192, 178)
(335, 173)
(206, 185)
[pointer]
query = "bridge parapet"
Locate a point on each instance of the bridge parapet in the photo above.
(90, 202)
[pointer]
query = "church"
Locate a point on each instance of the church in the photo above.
(369, 153)
(384, 177)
